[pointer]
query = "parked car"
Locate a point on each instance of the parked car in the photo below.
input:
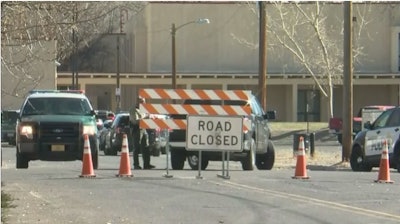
(365, 114)
(8, 122)
(368, 144)
(105, 114)
(113, 140)
(120, 126)
(103, 131)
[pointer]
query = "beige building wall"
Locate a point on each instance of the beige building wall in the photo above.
(215, 55)
(230, 42)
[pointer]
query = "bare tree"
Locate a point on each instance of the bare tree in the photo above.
(27, 26)
(304, 31)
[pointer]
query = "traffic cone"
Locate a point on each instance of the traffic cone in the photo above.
(301, 171)
(124, 167)
(87, 164)
(384, 170)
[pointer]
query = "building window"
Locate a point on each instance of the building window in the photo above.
(308, 106)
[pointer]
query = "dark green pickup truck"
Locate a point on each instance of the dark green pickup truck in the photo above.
(51, 126)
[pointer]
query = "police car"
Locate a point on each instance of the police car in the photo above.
(368, 144)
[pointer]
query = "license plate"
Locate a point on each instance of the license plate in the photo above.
(10, 135)
(57, 148)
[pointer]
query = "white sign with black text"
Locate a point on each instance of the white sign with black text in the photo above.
(214, 133)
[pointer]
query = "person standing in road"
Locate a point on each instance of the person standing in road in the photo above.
(139, 137)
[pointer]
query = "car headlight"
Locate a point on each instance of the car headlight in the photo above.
(27, 130)
(89, 130)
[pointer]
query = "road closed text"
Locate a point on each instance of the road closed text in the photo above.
(214, 133)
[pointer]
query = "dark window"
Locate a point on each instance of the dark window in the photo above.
(308, 106)
(394, 119)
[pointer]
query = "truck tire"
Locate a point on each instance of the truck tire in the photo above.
(357, 161)
(155, 150)
(396, 157)
(266, 160)
(113, 151)
(193, 161)
(21, 162)
(247, 162)
(95, 160)
(110, 151)
(178, 157)
(339, 138)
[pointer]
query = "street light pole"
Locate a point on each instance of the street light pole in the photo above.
(173, 33)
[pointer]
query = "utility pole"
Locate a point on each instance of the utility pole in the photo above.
(347, 82)
(122, 18)
(262, 70)
(173, 50)
(73, 58)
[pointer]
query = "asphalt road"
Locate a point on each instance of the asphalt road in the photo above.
(52, 192)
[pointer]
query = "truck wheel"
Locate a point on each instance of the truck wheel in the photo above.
(155, 150)
(12, 142)
(178, 157)
(396, 158)
(22, 162)
(357, 161)
(95, 160)
(193, 161)
(113, 151)
(266, 160)
(102, 146)
(339, 138)
(163, 150)
(247, 162)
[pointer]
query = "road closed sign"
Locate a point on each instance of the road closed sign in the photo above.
(214, 133)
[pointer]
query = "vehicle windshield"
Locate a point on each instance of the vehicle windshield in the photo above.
(381, 121)
(56, 106)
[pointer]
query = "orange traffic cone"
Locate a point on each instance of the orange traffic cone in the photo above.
(87, 164)
(301, 171)
(124, 167)
(384, 172)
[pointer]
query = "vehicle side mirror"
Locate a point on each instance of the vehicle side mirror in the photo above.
(270, 115)
(368, 125)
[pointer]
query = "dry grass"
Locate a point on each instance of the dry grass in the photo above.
(321, 160)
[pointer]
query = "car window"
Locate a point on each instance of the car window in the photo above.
(256, 107)
(394, 119)
(124, 121)
(115, 122)
(382, 120)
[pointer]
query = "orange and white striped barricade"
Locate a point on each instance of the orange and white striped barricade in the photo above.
(205, 109)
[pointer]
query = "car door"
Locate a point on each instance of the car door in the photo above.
(261, 127)
(386, 127)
